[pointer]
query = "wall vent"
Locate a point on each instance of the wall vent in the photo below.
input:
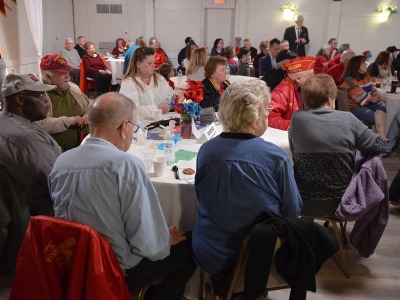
(103, 8)
(115, 8)
(109, 8)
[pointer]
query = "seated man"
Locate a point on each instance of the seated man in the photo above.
(286, 97)
(336, 71)
(71, 55)
(116, 198)
(67, 117)
(268, 62)
(27, 151)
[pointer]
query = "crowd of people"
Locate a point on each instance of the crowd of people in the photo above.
(44, 121)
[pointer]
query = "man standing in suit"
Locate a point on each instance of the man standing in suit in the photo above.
(297, 36)
(268, 62)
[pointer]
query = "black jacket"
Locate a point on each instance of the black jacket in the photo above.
(307, 246)
(211, 95)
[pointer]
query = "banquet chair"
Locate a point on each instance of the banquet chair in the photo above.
(342, 101)
(238, 274)
(85, 83)
(60, 259)
(340, 236)
(14, 219)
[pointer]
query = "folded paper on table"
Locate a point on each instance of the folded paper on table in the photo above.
(184, 155)
(210, 132)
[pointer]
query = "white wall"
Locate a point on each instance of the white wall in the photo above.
(352, 21)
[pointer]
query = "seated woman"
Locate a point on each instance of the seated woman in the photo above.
(382, 67)
(244, 67)
(119, 47)
(215, 84)
(96, 68)
(323, 143)
(145, 87)
(322, 60)
(364, 101)
(195, 70)
(239, 175)
(167, 71)
(218, 48)
(229, 53)
(189, 50)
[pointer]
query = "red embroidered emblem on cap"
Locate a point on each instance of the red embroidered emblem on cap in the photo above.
(33, 77)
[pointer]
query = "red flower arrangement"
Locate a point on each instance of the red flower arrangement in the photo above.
(192, 96)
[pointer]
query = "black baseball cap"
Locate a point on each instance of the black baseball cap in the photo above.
(392, 49)
(188, 39)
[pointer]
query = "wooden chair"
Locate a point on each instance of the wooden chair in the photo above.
(340, 237)
(239, 269)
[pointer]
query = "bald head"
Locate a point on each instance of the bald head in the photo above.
(109, 110)
(346, 55)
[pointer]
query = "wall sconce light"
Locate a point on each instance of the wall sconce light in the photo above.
(288, 11)
(384, 11)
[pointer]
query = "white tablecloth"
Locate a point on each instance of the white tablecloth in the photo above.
(233, 79)
(116, 66)
(178, 198)
(392, 106)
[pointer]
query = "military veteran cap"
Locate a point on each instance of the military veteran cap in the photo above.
(299, 64)
(55, 62)
(16, 83)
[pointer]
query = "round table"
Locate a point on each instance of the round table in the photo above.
(392, 106)
(116, 66)
(178, 197)
(233, 79)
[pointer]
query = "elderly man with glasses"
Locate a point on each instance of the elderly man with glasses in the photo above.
(102, 186)
(27, 151)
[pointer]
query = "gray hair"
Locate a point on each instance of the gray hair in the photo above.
(68, 39)
(151, 40)
(346, 55)
(242, 103)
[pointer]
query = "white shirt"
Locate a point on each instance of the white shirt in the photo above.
(146, 101)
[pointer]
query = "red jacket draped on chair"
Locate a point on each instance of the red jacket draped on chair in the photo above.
(60, 259)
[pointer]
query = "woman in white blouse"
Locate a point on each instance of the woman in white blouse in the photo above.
(146, 88)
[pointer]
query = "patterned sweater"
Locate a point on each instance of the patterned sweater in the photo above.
(323, 142)
(358, 90)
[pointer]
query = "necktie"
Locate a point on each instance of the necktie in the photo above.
(298, 32)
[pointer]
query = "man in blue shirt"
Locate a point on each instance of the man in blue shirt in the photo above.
(102, 186)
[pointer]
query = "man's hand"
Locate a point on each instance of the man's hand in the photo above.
(177, 235)
(81, 121)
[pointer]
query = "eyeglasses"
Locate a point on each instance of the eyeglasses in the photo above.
(136, 126)
(40, 96)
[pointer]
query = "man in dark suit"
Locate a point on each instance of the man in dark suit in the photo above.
(297, 36)
(268, 62)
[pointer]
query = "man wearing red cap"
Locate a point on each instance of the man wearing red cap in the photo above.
(67, 117)
(286, 97)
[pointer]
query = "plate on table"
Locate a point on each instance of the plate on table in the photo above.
(186, 170)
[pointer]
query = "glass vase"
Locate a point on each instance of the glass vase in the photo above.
(186, 126)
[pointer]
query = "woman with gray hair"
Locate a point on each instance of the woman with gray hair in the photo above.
(239, 175)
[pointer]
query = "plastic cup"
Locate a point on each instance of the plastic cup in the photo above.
(147, 156)
(159, 166)
(158, 114)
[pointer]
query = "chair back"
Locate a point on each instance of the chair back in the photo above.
(14, 219)
(85, 83)
(342, 100)
(59, 259)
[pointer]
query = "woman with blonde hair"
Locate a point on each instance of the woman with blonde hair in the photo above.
(234, 186)
(195, 70)
(145, 87)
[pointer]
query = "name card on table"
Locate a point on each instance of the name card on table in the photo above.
(210, 132)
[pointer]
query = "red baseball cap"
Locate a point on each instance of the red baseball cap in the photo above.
(55, 62)
(299, 64)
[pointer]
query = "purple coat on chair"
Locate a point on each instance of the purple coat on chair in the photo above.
(366, 202)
